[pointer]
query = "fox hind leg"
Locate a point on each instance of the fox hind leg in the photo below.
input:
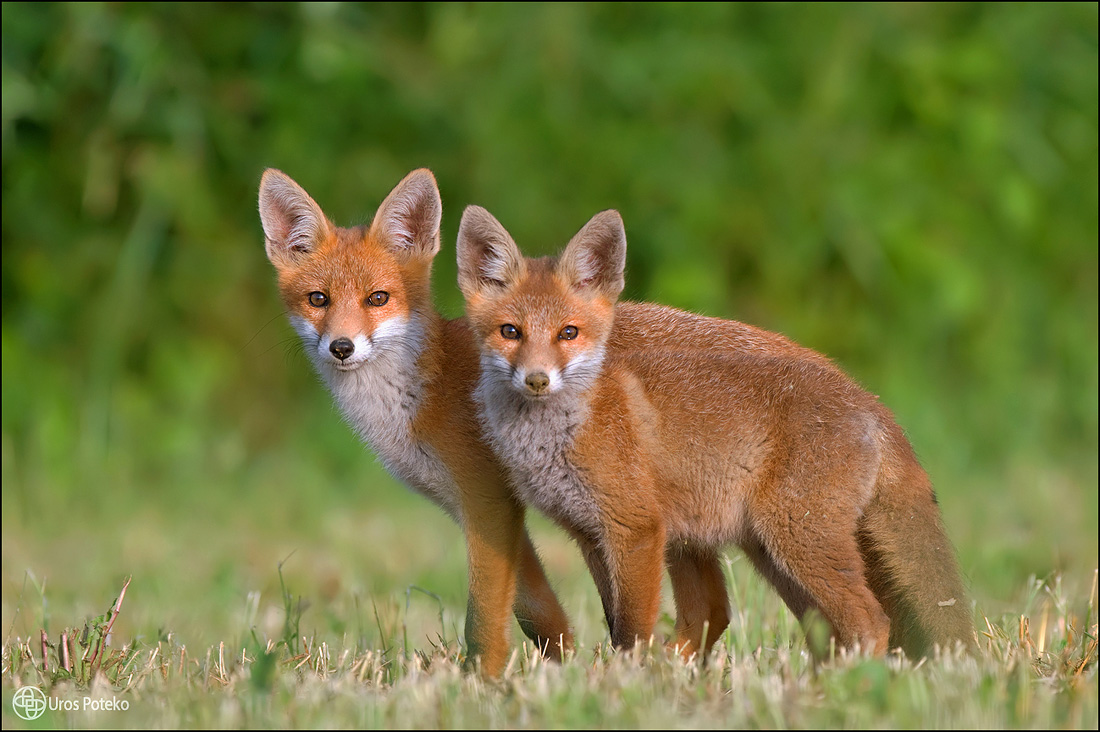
(536, 607)
(793, 594)
(702, 601)
(597, 567)
(813, 559)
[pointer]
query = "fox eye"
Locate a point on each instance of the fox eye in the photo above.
(568, 333)
(318, 299)
(510, 332)
(378, 298)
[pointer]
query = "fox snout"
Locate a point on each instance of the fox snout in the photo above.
(537, 382)
(342, 348)
(342, 352)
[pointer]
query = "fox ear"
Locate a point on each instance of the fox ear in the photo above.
(408, 220)
(488, 259)
(596, 257)
(293, 222)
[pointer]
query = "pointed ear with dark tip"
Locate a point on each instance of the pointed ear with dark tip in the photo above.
(408, 220)
(293, 222)
(596, 257)
(488, 259)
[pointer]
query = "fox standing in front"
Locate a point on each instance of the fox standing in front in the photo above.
(725, 434)
(403, 377)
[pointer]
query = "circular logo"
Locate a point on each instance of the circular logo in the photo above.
(29, 703)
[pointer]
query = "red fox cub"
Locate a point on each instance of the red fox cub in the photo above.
(403, 378)
(650, 452)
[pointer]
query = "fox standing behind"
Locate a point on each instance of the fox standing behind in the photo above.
(403, 377)
(651, 452)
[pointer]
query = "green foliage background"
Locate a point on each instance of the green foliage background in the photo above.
(910, 189)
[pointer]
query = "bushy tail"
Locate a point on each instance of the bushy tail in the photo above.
(910, 563)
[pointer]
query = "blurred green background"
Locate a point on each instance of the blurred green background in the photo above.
(910, 189)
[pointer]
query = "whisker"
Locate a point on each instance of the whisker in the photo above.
(291, 343)
(293, 347)
(261, 330)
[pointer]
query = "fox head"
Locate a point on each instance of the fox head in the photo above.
(542, 324)
(353, 295)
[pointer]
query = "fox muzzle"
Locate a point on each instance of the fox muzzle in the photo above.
(537, 382)
(342, 348)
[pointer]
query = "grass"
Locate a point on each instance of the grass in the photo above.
(300, 587)
(392, 660)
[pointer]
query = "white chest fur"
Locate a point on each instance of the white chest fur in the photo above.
(380, 399)
(533, 440)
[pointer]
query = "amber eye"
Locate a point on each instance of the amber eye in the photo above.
(568, 333)
(510, 332)
(318, 299)
(378, 298)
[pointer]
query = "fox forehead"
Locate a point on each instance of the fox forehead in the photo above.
(350, 260)
(543, 301)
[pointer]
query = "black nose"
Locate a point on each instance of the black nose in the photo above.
(342, 348)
